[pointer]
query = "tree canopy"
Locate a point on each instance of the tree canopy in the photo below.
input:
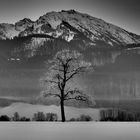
(57, 81)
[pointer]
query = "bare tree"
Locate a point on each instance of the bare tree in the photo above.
(16, 117)
(64, 67)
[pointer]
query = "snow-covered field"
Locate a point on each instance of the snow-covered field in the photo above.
(64, 131)
(28, 110)
(69, 131)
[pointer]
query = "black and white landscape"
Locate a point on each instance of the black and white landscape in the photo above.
(70, 65)
(27, 45)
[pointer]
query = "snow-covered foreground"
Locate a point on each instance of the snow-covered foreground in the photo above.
(69, 131)
(28, 110)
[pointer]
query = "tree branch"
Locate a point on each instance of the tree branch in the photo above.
(79, 98)
(75, 91)
(69, 60)
(76, 71)
(61, 60)
(57, 69)
(51, 94)
(59, 81)
(51, 81)
(59, 77)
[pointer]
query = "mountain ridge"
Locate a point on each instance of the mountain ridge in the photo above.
(52, 23)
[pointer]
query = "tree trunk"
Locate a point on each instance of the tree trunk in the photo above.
(62, 111)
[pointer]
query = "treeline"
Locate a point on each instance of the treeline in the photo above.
(132, 45)
(83, 117)
(105, 115)
(119, 115)
(39, 116)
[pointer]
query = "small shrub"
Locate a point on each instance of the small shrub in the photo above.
(82, 118)
(72, 119)
(85, 118)
(4, 118)
(40, 116)
(24, 119)
(16, 117)
(51, 117)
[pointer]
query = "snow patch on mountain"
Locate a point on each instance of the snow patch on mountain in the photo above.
(8, 31)
(110, 43)
(23, 24)
(70, 37)
(84, 23)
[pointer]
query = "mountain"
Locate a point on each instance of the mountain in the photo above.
(71, 25)
(54, 31)
(9, 31)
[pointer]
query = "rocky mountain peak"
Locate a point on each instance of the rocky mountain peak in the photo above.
(23, 24)
(81, 27)
(71, 11)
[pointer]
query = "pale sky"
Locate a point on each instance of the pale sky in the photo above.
(124, 13)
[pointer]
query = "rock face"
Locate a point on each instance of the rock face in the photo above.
(23, 24)
(71, 25)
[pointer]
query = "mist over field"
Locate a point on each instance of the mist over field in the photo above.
(115, 80)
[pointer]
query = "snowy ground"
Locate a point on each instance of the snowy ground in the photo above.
(69, 131)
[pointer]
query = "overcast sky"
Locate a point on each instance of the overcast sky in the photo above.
(124, 13)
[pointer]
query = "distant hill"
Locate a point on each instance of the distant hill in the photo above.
(7, 102)
(28, 110)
